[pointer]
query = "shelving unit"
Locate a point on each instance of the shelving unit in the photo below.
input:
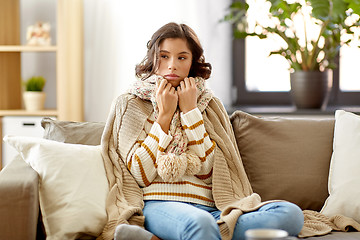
(21, 112)
(17, 48)
(69, 62)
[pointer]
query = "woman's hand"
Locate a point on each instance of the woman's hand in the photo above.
(187, 95)
(167, 100)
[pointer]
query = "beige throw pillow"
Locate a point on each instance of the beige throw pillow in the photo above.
(286, 159)
(344, 176)
(73, 185)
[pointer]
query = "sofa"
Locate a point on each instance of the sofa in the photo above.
(285, 158)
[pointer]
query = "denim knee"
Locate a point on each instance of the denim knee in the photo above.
(201, 226)
(293, 218)
(277, 215)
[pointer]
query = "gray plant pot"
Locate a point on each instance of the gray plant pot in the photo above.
(311, 89)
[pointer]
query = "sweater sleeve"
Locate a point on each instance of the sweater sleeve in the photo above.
(141, 161)
(199, 141)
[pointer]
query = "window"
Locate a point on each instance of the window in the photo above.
(261, 79)
(349, 69)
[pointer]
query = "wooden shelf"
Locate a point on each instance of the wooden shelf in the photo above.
(23, 112)
(69, 59)
(24, 48)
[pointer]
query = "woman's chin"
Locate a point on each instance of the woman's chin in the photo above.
(174, 83)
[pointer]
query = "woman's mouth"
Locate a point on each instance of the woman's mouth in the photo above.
(171, 77)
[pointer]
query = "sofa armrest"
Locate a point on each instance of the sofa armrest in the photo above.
(19, 201)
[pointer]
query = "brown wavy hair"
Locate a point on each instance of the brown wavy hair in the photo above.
(149, 65)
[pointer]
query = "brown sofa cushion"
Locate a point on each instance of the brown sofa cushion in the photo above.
(284, 158)
(87, 133)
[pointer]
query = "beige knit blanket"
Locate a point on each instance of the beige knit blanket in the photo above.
(231, 188)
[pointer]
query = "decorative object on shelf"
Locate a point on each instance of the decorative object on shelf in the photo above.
(34, 97)
(38, 34)
(313, 32)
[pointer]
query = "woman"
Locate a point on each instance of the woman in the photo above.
(171, 157)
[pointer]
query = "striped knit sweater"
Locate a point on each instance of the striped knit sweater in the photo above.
(141, 162)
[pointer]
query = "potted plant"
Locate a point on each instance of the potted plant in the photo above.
(310, 58)
(34, 97)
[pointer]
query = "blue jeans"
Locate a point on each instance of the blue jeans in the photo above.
(179, 220)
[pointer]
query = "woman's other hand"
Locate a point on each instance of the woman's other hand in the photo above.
(167, 100)
(187, 95)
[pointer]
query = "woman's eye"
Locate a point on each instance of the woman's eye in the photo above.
(164, 56)
(182, 58)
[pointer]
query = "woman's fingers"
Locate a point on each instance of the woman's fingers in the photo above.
(187, 83)
(187, 94)
(162, 84)
(168, 87)
(181, 86)
(192, 82)
(164, 87)
(159, 88)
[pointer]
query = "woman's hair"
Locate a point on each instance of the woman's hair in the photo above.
(149, 65)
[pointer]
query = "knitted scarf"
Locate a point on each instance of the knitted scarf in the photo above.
(177, 159)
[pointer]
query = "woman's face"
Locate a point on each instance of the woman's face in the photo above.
(175, 60)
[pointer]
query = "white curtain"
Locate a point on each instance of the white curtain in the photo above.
(116, 33)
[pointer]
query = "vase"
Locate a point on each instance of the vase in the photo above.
(34, 101)
(311, 89)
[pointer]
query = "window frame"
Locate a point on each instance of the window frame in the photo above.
(250, 98)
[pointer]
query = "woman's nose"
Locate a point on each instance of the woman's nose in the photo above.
(172, 64)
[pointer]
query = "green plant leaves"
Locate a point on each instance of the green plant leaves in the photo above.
(354, 5)
(339, 10)
(325, 9)
(239, 5)
(282, 9)
(321, 8)
(237, 12)
(35, 83)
